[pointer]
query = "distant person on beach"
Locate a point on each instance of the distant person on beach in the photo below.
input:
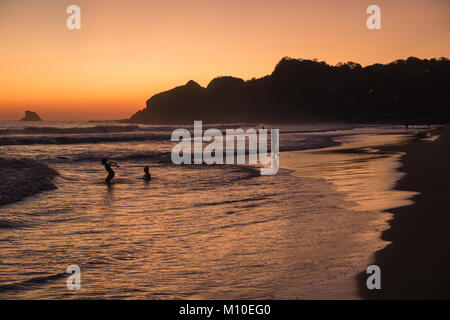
(108, 168)
(147, 176)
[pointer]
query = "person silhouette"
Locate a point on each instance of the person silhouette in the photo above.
(108, 168)
(147, 176)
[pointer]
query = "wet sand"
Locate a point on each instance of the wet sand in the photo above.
(416, 265)
(364, 176)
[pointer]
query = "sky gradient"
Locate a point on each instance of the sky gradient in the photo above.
(126, 51)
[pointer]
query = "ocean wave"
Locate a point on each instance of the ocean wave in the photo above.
(23, 177)
(286, 144)
(152, 156)
(7, 224)
(32, 283)
(76, 130)
(30, 140)
(294, 143)
(102, 129)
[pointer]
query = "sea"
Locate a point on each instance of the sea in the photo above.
(193, 231)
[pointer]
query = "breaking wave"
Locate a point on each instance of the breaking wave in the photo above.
(23, 177)
(76, 130)
(29, 140)
(32, 283)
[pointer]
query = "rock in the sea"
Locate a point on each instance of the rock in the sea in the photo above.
(31, 116)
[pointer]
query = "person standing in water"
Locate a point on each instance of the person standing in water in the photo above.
(147, 176)
(108, 168)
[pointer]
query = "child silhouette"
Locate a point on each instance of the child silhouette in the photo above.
(108, 168)
(147, 176)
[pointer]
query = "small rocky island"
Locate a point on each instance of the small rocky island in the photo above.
(31, 116)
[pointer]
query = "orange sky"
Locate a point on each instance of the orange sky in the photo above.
(128, 50)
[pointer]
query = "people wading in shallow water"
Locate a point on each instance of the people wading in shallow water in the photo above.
(147, 176)
(108, 168)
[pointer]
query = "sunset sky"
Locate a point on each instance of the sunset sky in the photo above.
(126, 51)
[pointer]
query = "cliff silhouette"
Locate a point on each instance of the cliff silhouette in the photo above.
(411, 90)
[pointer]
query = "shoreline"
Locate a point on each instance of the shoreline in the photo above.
(348, 288)
(415, 264)
(365, 176)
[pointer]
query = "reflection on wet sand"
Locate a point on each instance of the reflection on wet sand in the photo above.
(364, 173)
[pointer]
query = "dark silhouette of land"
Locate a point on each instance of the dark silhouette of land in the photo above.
(416, 264)
(31, 116)
(404, 91)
